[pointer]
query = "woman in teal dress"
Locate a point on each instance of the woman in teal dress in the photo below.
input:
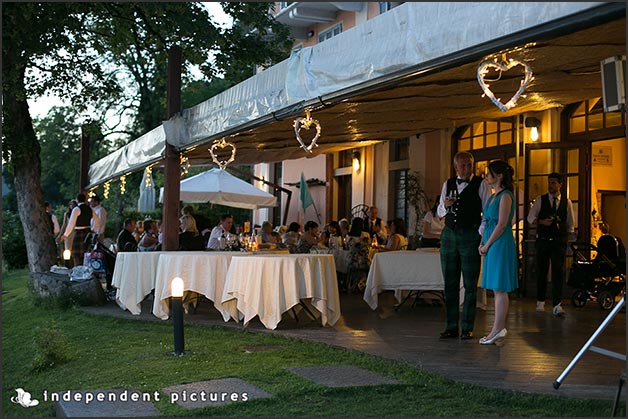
(499, 270)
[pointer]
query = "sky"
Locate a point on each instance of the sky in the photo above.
(40, 106)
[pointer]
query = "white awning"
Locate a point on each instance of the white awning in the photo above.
(400, 43)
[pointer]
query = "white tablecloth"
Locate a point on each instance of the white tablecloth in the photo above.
(134, 277)
(403, 270)
(268, 286)
(341, 257)
(202, 272)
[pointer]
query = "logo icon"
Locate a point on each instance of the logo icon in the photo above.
(24, 398)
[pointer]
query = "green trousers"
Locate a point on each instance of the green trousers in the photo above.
(459, 254)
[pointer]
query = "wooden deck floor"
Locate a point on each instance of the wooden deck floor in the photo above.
(537, 349)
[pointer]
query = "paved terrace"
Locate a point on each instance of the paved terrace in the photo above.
(537, 349)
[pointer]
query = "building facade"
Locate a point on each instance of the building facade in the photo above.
(580, 140)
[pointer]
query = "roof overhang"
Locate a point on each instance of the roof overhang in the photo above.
(409, 81)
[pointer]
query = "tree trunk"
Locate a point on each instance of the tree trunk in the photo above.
(22, 143)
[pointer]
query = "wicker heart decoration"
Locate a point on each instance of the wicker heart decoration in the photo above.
(504, 66)
(222, 144)
(307, 123)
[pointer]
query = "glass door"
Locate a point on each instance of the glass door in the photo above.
(571, 161)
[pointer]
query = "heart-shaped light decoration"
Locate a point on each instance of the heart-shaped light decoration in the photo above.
(483, 69)
(307, 123)
(222, 144)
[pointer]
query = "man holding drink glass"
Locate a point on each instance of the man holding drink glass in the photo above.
(461, 202)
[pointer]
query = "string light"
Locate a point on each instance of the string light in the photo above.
(122, 184)
(504, 65)
(148, 172)
(106, 187)
(306, 123)
(91, 193)
(185, 164)
(222, 144)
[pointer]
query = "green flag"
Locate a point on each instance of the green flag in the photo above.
(304, 193)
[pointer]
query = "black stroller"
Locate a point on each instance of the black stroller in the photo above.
(602, 278)
(102, 261)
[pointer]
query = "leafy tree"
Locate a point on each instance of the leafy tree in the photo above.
(46, 36)
(136, 37)
(85, 52)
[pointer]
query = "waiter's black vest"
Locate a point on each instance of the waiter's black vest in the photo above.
(467, 211)
(84, 217)
(558, 229)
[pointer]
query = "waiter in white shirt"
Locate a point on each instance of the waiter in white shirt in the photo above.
(554, 219)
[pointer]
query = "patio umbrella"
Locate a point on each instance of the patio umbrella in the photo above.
(221, 187)
(146, 201)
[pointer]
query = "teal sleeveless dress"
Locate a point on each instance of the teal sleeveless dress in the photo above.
(499, 270)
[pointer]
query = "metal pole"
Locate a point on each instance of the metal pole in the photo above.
(586, 346)
(176, 312)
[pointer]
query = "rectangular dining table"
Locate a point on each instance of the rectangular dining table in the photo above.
(268, 286)
(407, 270)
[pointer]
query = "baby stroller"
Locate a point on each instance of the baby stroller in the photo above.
(601, 279)
(102, 261)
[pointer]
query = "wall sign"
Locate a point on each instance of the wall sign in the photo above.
(602, 155)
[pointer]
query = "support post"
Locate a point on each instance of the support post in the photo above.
(172, 168)
(84, 157)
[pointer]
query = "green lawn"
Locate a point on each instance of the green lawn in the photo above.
(106, 353)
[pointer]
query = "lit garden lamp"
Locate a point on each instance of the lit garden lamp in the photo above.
(67, 254)
(176, 312)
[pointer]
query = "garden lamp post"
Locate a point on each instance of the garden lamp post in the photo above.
(176, 311)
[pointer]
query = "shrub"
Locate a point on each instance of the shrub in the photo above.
(51, 348)
(13, 243)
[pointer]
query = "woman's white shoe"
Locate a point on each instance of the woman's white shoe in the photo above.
(502, 334)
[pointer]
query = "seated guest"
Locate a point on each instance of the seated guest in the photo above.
(432, 227)
(126, 241)
(359, 244)
(397, 239)
(148, 241)
(202, 223)
(309, 238)
(221, 230)
(139, 230)
(190, 238)
(291, 237)
(343, 230)
(267, 233)
(160, 236)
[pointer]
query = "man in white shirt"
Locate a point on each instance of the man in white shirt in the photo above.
(101, 213)
(554, 219)
(80, 221)
(226, 221)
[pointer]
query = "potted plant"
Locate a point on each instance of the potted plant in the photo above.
(417, 198)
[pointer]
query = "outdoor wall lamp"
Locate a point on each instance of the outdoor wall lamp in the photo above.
(356, 160)
(534, 124)
(176, 311)
(310, 34)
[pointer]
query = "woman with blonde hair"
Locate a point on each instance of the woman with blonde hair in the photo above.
(189, 238)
